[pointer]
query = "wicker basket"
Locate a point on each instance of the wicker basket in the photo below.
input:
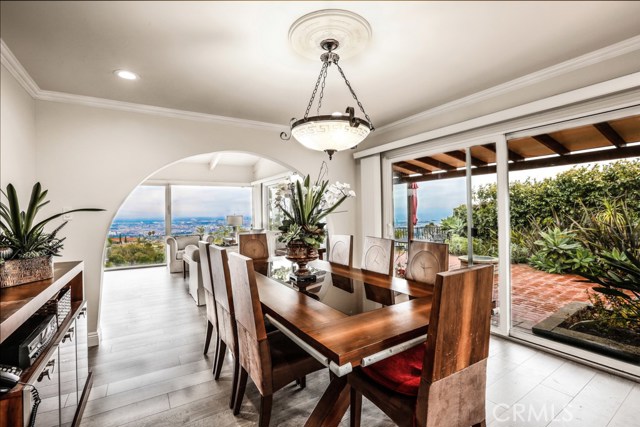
(20, 271)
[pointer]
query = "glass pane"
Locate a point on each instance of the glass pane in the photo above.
(485, 215)
(203, 210)
(430, 204)
(136, 236)
(575, 221)
(429, 195)
(275, 215)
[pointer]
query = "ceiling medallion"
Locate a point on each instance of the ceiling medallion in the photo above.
(336, 131)
(351, 30)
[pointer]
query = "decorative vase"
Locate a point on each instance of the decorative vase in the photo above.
(301, 253)
(16, 272)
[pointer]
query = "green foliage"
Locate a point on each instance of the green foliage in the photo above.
(613, 235)
(305, 205)
(200, 230)
(458, 246)
(135, 253)
(611, 313)
(558, 251)
(220, 233)
(538, 206)
(455, 225)
(18, 231)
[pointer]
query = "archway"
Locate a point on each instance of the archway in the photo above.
(140, 234)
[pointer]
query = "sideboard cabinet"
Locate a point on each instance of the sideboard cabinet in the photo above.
(60, 373)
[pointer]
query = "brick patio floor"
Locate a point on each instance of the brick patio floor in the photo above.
(535, 295)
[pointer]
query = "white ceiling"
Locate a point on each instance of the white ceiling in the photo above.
(230, 159)
(233, 58)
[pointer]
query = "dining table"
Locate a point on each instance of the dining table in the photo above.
(344, 317)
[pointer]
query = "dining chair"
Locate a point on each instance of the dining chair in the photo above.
(212, 318)
(227, 332)
(271, 360)
(442, 382)
(426, 260)
(254, 245)
(340, 249)
(377, 255)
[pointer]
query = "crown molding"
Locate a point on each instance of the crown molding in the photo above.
(16, 69)
(30, 86)
(597, 56)
(67, 98)
(11, 63)
(617, 85)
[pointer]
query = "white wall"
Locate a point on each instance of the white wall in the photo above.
(17, 137)
(264, 169)
(92, 157)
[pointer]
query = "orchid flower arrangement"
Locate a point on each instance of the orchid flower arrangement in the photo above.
(306, 204)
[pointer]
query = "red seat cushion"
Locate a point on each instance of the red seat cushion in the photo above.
(400, 373)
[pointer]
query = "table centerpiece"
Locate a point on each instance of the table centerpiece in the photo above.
(305, 206)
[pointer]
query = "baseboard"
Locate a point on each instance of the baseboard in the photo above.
(93, 339)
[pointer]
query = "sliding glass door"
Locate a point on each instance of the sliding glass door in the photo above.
(449, 197)
(555, 210)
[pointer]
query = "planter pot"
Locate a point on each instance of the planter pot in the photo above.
(550, 328)
(20, 271)
(480, 259)
(301, 254)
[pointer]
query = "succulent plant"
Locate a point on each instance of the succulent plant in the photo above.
(19, 234)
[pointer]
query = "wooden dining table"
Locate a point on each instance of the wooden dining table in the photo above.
(348, 318)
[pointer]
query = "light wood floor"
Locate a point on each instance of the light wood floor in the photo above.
(149, 370)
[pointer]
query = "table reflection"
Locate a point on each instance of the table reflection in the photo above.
(346, 295)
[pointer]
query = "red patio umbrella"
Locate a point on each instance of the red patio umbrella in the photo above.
(414, 200)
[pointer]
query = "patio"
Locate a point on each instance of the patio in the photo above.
(535, 294)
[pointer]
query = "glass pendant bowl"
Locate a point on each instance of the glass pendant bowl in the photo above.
(335, 132)
(330, 133)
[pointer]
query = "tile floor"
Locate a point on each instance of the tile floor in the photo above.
(150, 371)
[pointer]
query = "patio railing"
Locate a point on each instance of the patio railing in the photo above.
(431, 233)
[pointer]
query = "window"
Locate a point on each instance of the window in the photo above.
(137, 233)
(203, 210)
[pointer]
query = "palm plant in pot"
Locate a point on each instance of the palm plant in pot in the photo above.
(305, 205)
(26, 249)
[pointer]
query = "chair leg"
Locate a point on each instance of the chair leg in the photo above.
(184, 269)
(482, 423)
(220, 359)
(265, 410)
(207, 340)
(215, 356)
(241, 386)
(302, 381)
(234, 384)
(356, 408)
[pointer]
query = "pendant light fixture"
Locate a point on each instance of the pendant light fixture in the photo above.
(330, 132)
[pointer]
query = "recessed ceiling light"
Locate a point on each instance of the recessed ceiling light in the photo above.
(127, 75)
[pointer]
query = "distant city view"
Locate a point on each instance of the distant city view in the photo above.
(137, 233)
(154, 227)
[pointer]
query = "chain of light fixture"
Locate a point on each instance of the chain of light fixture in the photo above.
(327, 59)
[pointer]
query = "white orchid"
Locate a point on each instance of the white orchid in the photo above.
(307, 205)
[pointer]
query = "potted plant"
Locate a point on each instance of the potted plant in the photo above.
(26, 250)
(305, 206)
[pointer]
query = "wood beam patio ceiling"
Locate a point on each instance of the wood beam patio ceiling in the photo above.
(590, 143)
(460, 155)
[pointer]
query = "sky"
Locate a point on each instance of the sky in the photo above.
(147, 202)
(437, 199)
